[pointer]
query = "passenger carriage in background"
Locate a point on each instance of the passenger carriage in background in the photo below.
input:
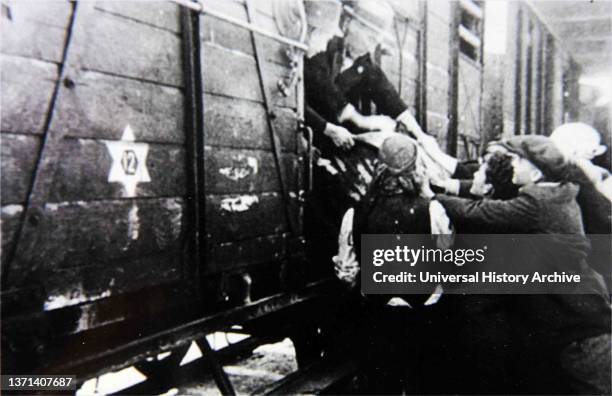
(155, 169)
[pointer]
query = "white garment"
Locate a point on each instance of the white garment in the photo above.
(600, 177)
(434, 169)
(346, 265)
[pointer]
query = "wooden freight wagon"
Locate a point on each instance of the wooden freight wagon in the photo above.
(154, 173)
(534, 81)
(153, 177)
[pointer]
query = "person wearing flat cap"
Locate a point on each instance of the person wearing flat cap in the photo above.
(565, 337)
(338, 77)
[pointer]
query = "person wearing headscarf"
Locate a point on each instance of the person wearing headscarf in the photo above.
(399, 198)
(397, 202)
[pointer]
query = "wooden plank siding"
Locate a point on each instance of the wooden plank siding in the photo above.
(100, 106)
(469, 85)
(92, 257)
(160, 14)
(242, 182)
(492, 111)
(532, 75)
(424, 76)
(247, 128)
(433, 84)
(129, 48)
(35, 30)
(17, 167)
(247, 171)
(400, 62)
(438, 41)
(31, 50)
(94, 235)
(511, 82)
(27, 90)
(128, 71)
(117, 81)
(451, 138)
(86, 177)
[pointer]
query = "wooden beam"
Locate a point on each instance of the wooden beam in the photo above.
(580, 19)
(595, 38)
(219, 375)
(569, 31)
(468, 36)
(551, 10)
(421, 81)
(539, 64)
(594, 64)
(518, 62)
(472, 8)
(126, 354)
(528, 81)
(590, 46)
(199, 7)
(194, 142)
(50, 151)
(197, 370)
(453, 81)
(549, 85)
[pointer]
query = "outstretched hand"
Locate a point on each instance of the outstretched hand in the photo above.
(341, 137)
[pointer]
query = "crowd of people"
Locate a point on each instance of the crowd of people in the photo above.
(534, 184)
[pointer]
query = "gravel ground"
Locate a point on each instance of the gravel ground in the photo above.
(268, 364)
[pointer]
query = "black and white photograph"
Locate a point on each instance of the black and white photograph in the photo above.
(304, 197)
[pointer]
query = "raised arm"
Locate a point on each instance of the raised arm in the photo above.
(339, 135)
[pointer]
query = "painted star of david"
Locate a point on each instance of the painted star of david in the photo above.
(129, 162)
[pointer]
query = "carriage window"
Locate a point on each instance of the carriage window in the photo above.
(470, 28)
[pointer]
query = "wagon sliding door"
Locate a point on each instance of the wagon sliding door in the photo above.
(93, 171)
(253, 230)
